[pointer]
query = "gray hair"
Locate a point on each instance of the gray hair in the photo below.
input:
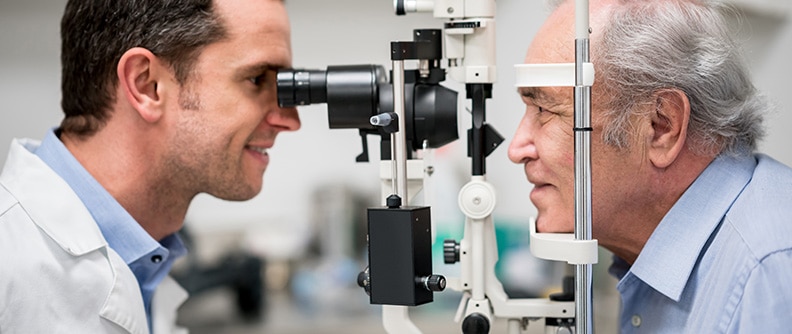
(649, 46)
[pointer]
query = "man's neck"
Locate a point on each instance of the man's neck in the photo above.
(633, 227)
(130, 174)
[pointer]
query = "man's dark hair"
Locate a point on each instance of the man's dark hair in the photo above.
(96, 33)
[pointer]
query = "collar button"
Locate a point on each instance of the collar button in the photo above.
(636, 320)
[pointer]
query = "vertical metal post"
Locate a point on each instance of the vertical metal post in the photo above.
(400, 154)
(583, 278)
(395, 318)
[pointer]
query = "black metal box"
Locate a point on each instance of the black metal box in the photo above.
(400, 255)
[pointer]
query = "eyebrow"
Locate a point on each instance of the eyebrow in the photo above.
(258, 68)
(536, 94)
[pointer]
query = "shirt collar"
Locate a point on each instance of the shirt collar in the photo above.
(122, 232)
(669, 256)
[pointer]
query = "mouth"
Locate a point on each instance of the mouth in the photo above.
(259, 152)
(539, 190)
(537, 183)
(259, 149)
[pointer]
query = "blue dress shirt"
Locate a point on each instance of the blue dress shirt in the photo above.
(720, 261)
(148, 259)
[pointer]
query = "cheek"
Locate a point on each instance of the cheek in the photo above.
(557, 148)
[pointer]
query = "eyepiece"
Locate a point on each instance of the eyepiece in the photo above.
(350, 91)
(301, 87)
(355, 94)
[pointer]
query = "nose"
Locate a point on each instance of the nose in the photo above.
(522, 147)
(284, 119)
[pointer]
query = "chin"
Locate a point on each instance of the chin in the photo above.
(238, 194)
(548, 224)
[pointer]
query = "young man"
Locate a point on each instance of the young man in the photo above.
(162, 101)
(701, 227)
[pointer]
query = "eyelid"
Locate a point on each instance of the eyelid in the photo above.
(263, 77)
(528, 99)
(256, 79)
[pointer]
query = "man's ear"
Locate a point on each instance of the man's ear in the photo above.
(670, 119)
(139, 74)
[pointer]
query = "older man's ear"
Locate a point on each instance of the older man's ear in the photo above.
(669, 124)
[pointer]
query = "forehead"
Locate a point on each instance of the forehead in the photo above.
(257, 32)
(250, 15)
(554, 42)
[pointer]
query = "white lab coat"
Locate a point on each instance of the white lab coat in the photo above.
(57, 274)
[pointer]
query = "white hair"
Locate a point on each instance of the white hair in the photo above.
(647, 46)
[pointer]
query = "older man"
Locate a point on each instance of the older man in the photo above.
(700, 225)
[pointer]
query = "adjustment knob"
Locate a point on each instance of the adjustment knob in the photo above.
(364, 281)
(450, 251)
(475, 323)
(567, 293)
(434, 283)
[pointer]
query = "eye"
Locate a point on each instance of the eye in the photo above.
(542, 111)
(258, 80)
(263, 79)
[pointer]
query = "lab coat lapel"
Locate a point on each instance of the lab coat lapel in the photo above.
(166, 301)
(57, 210)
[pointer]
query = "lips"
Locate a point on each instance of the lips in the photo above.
(259, 152)
(539, 187)
(262, 150)
(538, 183)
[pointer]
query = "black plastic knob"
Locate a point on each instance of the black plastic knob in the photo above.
(567, 293)
(393, 201)
(450, 251)
(475, 323)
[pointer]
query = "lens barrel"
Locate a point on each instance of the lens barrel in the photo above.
(350, 91)
(355, 93)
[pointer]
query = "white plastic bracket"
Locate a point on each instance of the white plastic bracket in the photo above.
(551, 75)
(562, 247)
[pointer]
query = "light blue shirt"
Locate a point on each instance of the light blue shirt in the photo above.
(720, 261)
(148, 259)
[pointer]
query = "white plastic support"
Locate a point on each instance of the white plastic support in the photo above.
(477, 199)
(449, 9)
(473, 50)
(551, 75)
(396, 320)
(562, 247)
(412, 6)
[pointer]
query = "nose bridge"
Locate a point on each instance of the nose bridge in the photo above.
(522, 144)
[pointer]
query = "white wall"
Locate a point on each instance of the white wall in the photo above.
(345, 32)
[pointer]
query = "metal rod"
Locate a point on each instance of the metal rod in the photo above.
(478, 158)
(394, 167)
(400, 155)
(583, 278)
(395, 318)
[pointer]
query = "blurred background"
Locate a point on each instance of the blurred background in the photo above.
(286, 261)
